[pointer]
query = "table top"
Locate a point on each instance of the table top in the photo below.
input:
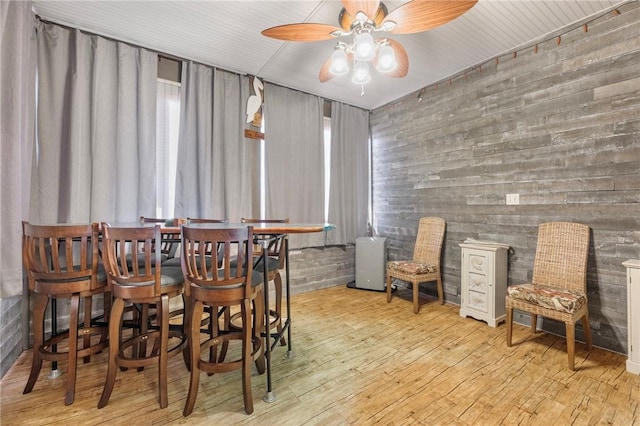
(258, 228)
(271, 228)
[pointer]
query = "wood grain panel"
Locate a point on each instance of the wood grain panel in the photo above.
(431, 368)
(559, 127)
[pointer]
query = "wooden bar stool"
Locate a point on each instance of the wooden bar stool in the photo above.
(224, 288)
(61, 262)
(275, 258)
(146, 284)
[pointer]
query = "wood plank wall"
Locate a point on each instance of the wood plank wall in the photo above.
(560, 127)
(316, 268)
(11, 326)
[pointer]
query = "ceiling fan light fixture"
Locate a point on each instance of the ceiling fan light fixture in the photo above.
(361, 16)
(361, 73)
(365, 47)
(339, 63)
(388, 25)
(386, 59)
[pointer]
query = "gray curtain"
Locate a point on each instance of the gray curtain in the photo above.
(17, 114)
(217, 167)
(294, 151)
(349, 182)
(17, 125)
(96, 129)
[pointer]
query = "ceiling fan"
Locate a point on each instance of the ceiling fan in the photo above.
(362, 20)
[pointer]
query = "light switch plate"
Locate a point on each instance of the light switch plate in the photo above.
(513, 199)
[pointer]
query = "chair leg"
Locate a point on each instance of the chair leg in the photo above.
(214, 330)
(226, 325)
(258, 326)
(86, 338)
(39, 307)
(439, 288)
(278, 282)
(73, 349)
(587, 331)
(106, 309)
(115, 323)
(571, 345)
(163, 317)
(247, 346)
(416, 297)
(388, 287)
(135, 320)
(185, 329)
(193, 339)
(534, 323)
(144, 328)
(509, 322)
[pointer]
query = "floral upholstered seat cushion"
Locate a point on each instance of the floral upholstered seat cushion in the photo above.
(409, 267)
(548, 297)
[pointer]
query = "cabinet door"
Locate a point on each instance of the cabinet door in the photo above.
(483, 292)
(479, 276)
(633, 315)
(477, 294)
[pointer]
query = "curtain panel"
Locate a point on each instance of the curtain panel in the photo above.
(294, 159)
(17, 115)
(349, 181)
(218, 169)
(95, 129)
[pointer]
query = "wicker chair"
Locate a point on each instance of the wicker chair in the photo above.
(558, 289)
(425, 265)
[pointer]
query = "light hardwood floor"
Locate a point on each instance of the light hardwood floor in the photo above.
(359, 360)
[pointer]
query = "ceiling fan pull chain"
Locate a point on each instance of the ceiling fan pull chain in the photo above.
(362, 90)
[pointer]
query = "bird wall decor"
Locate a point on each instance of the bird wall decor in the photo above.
(254, 104)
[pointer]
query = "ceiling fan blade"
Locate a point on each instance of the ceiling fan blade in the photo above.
(401, 58)
(325, 75)
(345, 19)
(369, 7)
(301, 32)
(422, 15)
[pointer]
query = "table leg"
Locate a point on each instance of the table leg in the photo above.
(288, 285)
(55, 373)
(269, 396)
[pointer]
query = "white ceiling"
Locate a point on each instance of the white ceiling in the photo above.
(226, 34)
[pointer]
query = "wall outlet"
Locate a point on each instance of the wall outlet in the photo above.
(513, 199)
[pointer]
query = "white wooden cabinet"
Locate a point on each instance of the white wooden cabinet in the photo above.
(484, 281)
(633, 315)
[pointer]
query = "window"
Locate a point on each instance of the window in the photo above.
(167, 131)
(327, 165)
(167, 125)
(327, 169)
